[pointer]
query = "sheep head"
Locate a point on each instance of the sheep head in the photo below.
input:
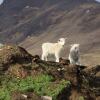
(62, 41)
(75, 47)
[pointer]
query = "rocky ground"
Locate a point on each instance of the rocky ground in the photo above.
(27, 77)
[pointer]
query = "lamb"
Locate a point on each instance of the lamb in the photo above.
(53, 48)
(74, 54)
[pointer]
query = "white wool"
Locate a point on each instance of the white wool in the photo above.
(74, 54)
(52, 48)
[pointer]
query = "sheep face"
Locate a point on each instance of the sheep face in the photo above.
(62, 41)
(75, 47)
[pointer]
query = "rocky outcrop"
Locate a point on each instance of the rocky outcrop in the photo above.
(85, 80)
(12, 55)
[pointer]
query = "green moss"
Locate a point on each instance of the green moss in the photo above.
(81, 98)
(53, 89)
(4, 94)
(41, 84)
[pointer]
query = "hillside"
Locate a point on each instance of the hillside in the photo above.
(29, 23)
(27, 77)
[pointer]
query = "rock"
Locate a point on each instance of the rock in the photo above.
(25, 96)
(11, 55)
(64, 61)
(36, 58)
(16, 95)
(46, 98)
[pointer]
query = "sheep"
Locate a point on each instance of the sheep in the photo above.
(74, 54)
(53, 48)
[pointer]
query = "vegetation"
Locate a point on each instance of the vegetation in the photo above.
(81, 98)
(23, 74)
(41, 84)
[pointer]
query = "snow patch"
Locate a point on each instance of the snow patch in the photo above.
(1, 2)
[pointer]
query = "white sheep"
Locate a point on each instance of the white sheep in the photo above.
(53, 48)
(74, 54)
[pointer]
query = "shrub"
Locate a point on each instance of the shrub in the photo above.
(41, 84)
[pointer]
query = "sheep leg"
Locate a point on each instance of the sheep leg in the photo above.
(72, 61)
(57, 57)
(78, 63)
(44, 57)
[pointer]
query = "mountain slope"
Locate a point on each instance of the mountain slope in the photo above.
(26, 17)
(31, 22)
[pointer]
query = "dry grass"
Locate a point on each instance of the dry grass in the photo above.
(91, 59)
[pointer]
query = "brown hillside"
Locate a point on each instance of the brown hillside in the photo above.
(32, 22)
